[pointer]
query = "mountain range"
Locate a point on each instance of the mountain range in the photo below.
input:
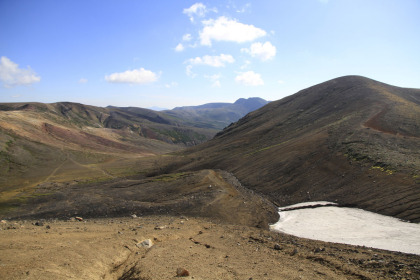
(89, 185)
(45, 141)
(350, 140)
(216, 115)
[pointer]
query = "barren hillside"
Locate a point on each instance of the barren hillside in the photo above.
(350, 140)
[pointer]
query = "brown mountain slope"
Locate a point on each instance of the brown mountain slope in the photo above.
(351, 140)
(66, 141)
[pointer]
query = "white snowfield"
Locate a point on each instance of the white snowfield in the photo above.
(350, 226)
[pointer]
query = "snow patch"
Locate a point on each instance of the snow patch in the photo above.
(349, 226)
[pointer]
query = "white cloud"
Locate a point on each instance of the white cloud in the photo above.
(224, 29)
(214, 61)
(189, 72)
(187, 37)
(179, 48)
(249, 78)
(264, 51)
(246, 64)
(244, 9)
(171, 85)
(280, 81)
(136, 76)
(11, 75)
(215, 79)
(197, 9)
(83, 81)
(216, 84)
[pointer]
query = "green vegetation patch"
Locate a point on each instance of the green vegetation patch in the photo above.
(383, 169)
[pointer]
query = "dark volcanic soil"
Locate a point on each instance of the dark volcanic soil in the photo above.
(350, 140)
(207, 193)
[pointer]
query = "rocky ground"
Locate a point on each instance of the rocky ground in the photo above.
(199, 225)
(190, 247)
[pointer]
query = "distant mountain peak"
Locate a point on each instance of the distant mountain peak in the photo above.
(250, 99)
(217, 115)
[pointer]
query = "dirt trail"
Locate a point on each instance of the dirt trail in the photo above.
(374, 124)
(92, 167)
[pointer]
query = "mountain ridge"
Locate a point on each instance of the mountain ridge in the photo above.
(350, 140)
(36, 137)
(217, 115)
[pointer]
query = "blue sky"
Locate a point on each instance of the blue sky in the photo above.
(173, 53)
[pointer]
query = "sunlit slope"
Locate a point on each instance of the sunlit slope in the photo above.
(70, 141)
(350, 140)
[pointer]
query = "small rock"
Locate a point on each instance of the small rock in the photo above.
(134, 216)
(80, 219)
(148, 243)
(277, 247)
(294, 252)
(182, 272)
(48, 227)
(159, 227)
(39, 223)
(3, 221)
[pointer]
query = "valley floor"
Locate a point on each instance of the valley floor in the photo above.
(110, 249)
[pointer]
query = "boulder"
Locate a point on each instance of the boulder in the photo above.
(182, 272)
(147, 243)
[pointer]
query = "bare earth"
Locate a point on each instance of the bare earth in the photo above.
(107, 249)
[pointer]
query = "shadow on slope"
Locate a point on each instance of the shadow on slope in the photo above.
(207, 193)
